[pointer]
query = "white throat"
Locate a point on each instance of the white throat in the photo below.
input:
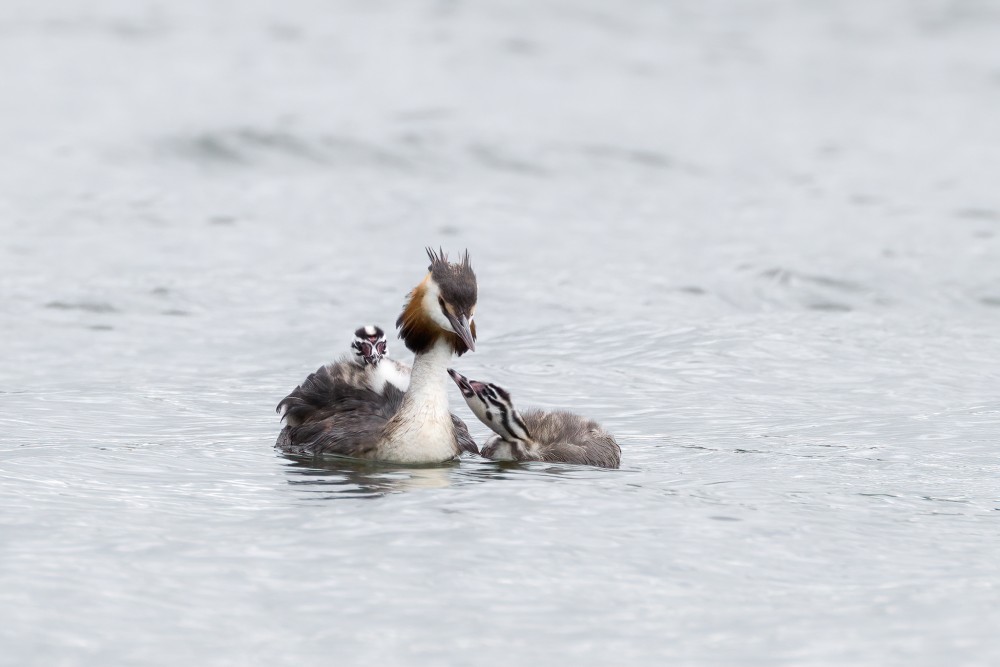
(422, 430)
(429, 380)
(431, 306)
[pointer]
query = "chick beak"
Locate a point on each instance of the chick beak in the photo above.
(462, 382)
(461, 326)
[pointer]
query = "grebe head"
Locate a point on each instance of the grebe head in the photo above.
(442, 305)
(369, 345)
(493, 406)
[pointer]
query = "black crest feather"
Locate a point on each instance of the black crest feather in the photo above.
(456, 280)
(437, 258)
(458, 289)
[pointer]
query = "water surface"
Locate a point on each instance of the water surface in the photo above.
(760, 245)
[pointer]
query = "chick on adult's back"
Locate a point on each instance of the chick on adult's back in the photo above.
(371, 356)
(347, 419)
(368, 366)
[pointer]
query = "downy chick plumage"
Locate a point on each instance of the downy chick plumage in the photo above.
(536, 435)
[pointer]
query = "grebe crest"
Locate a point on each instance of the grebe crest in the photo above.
(369, 345)
(537, 435)
(441, 306)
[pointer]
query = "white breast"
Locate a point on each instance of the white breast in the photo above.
(422, 430)
(423, 438)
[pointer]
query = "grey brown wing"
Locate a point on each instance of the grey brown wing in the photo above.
(564, 452)
(598, 449)
(318, 392)
(342, 419)
(569, 438)
(603, 450)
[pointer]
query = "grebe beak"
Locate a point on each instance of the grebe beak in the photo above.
(461, 326)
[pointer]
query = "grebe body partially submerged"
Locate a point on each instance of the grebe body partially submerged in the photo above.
(536, 435)
(331, 413)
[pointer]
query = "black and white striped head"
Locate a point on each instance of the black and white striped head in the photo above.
(369, 345)
(493, 406)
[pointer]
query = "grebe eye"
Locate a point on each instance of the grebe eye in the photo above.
(366, 349)
(380, 348)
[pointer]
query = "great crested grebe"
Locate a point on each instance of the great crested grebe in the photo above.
(370, 353)
(537, 435)
(327, 414)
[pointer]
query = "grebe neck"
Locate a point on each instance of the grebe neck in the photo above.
(422, 430)
(428, 391)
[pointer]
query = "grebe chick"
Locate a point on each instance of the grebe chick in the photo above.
(537, 435)
(327, 414)
(370, 350)
(366, 367)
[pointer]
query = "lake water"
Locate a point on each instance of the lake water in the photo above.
(759, 242)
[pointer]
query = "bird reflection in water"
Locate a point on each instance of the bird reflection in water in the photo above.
(332, 478)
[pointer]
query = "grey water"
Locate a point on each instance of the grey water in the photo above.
(758, 241)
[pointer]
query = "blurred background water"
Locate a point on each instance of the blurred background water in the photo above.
(756, 240)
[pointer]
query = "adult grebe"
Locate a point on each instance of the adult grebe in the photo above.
(536, 435)
(327, 414)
